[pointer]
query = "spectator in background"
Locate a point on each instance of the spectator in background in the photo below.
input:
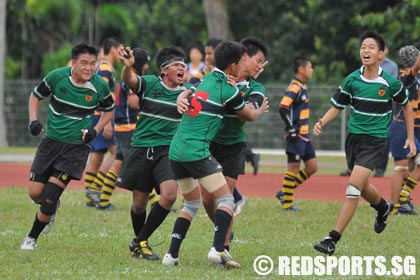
(196, 66)
(389, 66)
(209, 47)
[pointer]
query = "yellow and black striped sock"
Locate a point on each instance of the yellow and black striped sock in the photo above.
(108, 188)
(301, 177)
(153, 197)
(89, 178)
(289, 185)
(96, 186)
(407, 188)
(396, 207)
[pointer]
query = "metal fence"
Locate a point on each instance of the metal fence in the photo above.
(266, 133)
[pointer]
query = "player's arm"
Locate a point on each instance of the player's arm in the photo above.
(133, 101)
(33, 107)
(182, 101)
(126, 55)
(250, 113)
(409, 121)
(331, 114)
(105, 119)
(35, 127)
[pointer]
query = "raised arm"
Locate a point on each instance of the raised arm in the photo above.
(126, 55)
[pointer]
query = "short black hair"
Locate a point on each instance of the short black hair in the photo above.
(167, 53)
(141, 57)
(378, 38)
(213, 42)
(82, 48)
(300, 61)
(109, 43)
(228, 52)
(253, 45)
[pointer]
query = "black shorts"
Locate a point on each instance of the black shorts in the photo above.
(299, 149)
(196, 169)
(365, 150)
(53, 155)
(145, 168)
(230, 157)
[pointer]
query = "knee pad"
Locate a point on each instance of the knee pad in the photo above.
(191, 207)
(352, 192)
(52, 193)
(226, 201)
(400, 168)
(187, 185)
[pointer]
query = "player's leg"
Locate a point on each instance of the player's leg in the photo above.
(138, 219)
(216, 185)
(289, 183)
(91, 177)
(109, 184)
(358, 180)
(400, 173)
(158, 213)
(191, 195)
(48, 207)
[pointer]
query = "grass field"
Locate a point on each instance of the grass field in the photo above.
(90, 244)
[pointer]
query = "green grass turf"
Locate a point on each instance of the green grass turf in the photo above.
(86, 243)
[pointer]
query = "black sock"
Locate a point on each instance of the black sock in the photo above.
(221, 224)
(156, 216)
(137, 220)
(335, 235)
(236, 195)
(37, 228)
(179, 232)
(382, 207)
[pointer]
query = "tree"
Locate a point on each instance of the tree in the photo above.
(217, 19)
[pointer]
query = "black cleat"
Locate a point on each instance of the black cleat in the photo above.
(380, 220)
(326, 246)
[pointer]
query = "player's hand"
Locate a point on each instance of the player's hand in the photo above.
(318, 128)
(182, 105)
(126, 55)
(292, 133)
(231, 80)
(35, 127)
(265, 105)
(182, 102)
(412, 148)
(88, 135)
(108, 131)
(261, 70)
